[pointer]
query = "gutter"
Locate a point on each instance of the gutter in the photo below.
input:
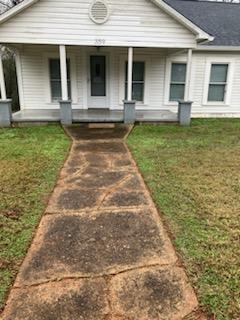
(216, 48)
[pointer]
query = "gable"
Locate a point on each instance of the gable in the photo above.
(137, 23)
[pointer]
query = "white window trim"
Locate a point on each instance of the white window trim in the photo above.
(228, 93)
(73, 76)
(123, 61)
(167, 82)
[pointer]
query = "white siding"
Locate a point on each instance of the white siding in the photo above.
(34, 59)
(198, 84)
(138, 23)
(32, 78)
(36, 80)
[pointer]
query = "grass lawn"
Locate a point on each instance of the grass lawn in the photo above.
(194, 176)
(30, 159)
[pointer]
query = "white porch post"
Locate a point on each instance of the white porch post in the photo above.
(63, 68)
(130, 71)
(65, 104)
(5, 104)
(129, 104)
(185, 106)
(188, 75)
(2, 80)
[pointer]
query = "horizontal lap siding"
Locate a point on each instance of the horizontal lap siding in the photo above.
(113, 72)
(198, 80)
(34, 75)
(197, 86)
(154, 76)
(156, 79)
(80, 76)
(136, 22)
(34, 80)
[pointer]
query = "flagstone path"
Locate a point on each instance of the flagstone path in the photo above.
(101, 251)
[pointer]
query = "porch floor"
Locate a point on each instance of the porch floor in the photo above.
(93, 115)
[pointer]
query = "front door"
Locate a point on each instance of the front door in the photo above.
(97, 82)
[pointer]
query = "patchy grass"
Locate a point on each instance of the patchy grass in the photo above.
(30, 159)
(194, 176)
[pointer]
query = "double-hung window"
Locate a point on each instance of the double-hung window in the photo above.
(55, 79)
(218, 82)
(177, 81)
(137, 81)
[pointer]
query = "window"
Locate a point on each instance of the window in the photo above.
(177, 81)
(218, 82)
(55, 79)
(138, 80)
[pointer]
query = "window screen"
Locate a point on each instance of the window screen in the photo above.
(218, 82)
(177, 82)
(55, 79)
(138, 80)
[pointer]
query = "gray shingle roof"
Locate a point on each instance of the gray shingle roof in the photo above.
(221, 20)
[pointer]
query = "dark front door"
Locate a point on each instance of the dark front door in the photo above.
(97, 81)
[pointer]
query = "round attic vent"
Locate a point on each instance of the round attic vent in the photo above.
(99, 11)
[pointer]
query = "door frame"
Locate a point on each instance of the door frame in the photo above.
(89, 97)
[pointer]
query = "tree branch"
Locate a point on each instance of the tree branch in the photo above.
(5, 4)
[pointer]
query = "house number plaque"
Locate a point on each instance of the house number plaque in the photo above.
(100, 42)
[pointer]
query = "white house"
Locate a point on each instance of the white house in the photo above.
(98, 53)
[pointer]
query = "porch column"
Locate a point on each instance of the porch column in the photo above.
(129, 104)
(130, 71)
(5, 104)
(2, 80)
(185, 106)
(65, 103)
(188, 75)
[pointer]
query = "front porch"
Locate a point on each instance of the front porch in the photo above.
(94, 115)
(73, 84)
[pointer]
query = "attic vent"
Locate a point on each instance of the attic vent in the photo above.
(99, 11)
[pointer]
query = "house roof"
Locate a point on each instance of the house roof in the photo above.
(221, 20)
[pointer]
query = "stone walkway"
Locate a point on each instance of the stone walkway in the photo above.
(101, 252)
